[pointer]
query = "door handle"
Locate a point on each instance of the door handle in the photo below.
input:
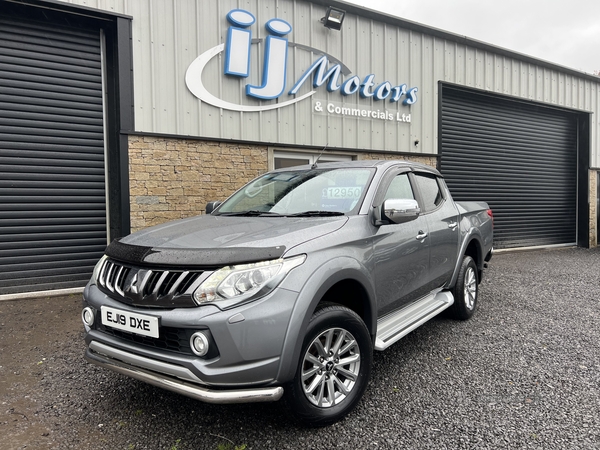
(421, 236)
(453, 225)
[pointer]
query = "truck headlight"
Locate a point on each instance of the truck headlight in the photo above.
(245, 279)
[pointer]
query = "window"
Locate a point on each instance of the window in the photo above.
(430, 191)
(400, 188)
(290, 159)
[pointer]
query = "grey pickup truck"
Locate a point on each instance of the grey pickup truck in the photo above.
(287, 287)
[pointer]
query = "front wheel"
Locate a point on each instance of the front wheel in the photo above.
(465, 291)
(334, 367)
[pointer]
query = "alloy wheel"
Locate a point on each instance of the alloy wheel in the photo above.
(330, 367)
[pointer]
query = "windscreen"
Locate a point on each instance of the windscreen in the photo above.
(294, 192)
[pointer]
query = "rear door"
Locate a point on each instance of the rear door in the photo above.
(442, 219)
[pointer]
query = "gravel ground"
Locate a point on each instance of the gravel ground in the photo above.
(523, 373)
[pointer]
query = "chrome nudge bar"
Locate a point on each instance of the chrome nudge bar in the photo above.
(95, 354)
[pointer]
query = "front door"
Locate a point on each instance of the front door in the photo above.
(401, 253)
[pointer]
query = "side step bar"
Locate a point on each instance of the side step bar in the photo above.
(395, 326)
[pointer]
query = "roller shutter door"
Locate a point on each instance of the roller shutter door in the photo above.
(520, 158)
(52, 188)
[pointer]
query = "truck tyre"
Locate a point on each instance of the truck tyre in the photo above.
(334, 367)
(465, 291)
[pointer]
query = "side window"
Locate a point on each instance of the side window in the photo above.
(430, 191)
(400, 188)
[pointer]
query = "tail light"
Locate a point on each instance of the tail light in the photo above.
(491, 215)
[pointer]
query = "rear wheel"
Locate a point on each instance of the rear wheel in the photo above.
(465, 291)
(334, 367)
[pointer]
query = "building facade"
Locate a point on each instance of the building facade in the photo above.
(120, 114)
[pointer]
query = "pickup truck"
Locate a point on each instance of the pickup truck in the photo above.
(287, 287)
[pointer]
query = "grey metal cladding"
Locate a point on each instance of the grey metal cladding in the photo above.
(169, 35)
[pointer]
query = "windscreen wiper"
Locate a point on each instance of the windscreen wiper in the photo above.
(252, 213)
(316, 214)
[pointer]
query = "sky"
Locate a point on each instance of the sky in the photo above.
(564, 32)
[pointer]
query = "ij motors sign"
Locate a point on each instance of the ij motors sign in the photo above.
(322, 73)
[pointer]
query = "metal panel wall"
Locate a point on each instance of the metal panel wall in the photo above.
(52, 188)
(519, 158)
(169, 34)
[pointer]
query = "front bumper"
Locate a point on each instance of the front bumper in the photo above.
(148, 370)
(248, 342)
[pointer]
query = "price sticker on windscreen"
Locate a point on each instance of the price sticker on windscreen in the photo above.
(333, 193)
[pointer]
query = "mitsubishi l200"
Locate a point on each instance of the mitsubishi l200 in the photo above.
(288, 286)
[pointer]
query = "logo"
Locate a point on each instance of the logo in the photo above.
(135, 284)
(274, 74)
(133, 287)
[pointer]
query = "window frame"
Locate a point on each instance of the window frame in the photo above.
(312, 156)
(421, 199)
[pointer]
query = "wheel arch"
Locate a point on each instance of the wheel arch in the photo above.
(473, 247)
(475, 250)
(343, 279)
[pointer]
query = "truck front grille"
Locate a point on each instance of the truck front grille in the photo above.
(152, 288)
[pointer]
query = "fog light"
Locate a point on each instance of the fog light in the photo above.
(199, 343)
(87, 315)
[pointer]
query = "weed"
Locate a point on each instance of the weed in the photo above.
(175, 446)
(229, 446)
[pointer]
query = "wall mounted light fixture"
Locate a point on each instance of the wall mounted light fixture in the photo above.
(333, 18)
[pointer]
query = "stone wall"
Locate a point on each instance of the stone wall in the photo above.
(175, 178)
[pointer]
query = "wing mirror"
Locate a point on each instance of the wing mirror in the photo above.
(397, 210)
(211, 206)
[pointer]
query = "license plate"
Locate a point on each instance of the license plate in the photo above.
(130, 321)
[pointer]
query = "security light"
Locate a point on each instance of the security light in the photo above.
(333, 18)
